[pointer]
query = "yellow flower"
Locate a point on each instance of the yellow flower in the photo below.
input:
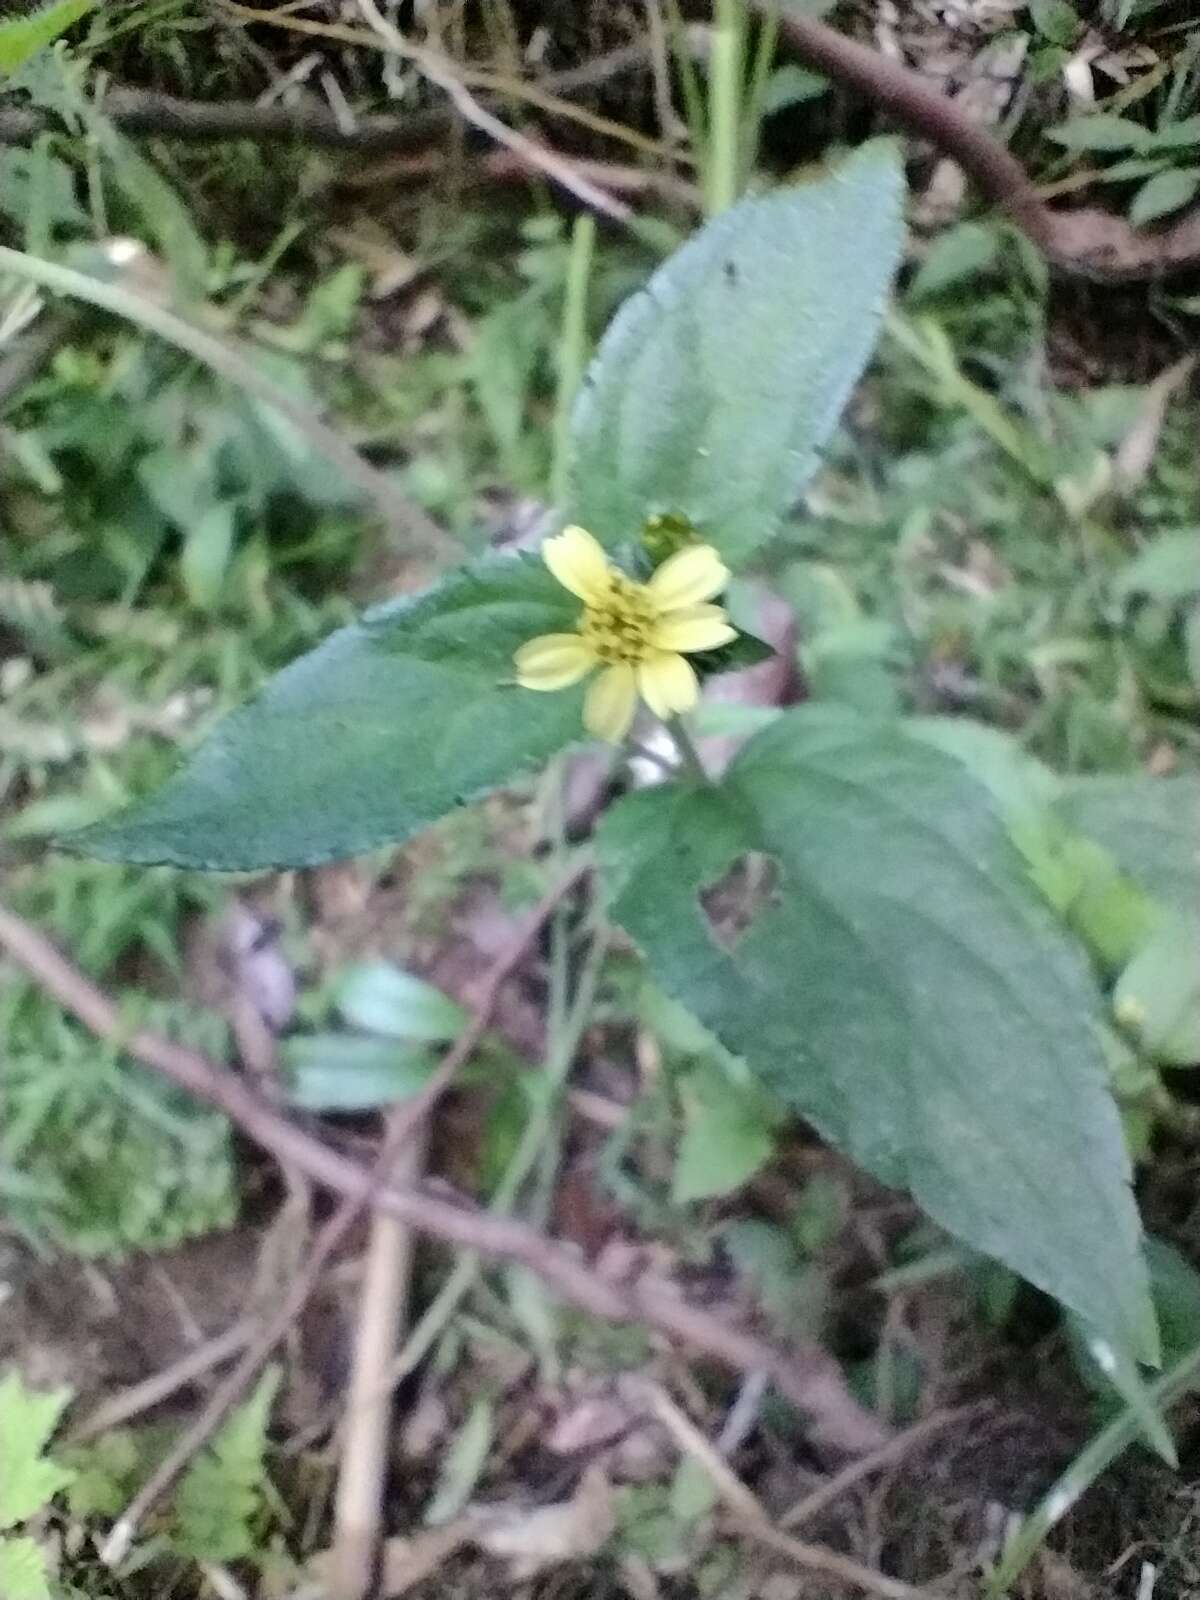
(638, 633)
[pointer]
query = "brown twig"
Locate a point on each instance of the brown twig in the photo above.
(103, 1017)
(147, 114)
(536, 156)
(808, 1377)
(362, 1470)
(750, 1516)
(886, 1456)
(141, 1397)
(1090, 242)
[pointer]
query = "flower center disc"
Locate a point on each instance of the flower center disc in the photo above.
(620, 627)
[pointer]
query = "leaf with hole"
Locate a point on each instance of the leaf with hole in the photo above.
(902, 987)
(715, 389)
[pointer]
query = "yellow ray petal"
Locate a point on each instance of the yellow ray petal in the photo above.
(579, 563)
(667, 684)
(693, 628)
(552, 661)
(610, 703)
(693, 574)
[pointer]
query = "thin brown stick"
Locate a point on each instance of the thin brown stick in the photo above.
(1090, 242)
(750, 1516)
(362, 1470)
(147, 114)
(538, 157)
(809, 1377)
(886, 1456)
(403, 1123)
(141, 1397)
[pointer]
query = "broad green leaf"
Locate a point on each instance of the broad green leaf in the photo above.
(1151, 827)
(29, 1480)
(207, 548)
(382, 998)
(1165, 192)
(1054, 20)
(382, 729)
(903, 988)
(22, 37)
(1100, 131)
(1158, 995)
(339, 1072)
(714, 389)
(1177, 135)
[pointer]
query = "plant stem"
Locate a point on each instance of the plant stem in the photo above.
(722, 169)
(572, 349)
(688, 754)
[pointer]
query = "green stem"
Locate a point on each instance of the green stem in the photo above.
(723, 168)
(688, 754)
(572, 349)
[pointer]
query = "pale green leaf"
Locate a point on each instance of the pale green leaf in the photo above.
(221, 1493)
(1164, 193)
(961, 252)
(382, 998)
(727, 1136)
(23, 37)
(904, 989)
(464, 1460)
(207, 548)
(23, 1574)
(1166, 568)
(1150, 826)
(1157, 997)
(1100, 131)
(385, 727)
(715, 388)
(28, 1479)
(339, 1072)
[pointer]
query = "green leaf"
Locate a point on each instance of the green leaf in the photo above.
(336, 1072)
(23, 37)
(1164, 193)
(715, 388)
(464, 1460)
(728, 1135)
(1166, 568)
(963, 251)
(382, 729)
(1147, 824)
(207, 548)
(1177, 135)
(1054, 20)
(1100, 131)
(222, 1492)
(382, 998)
(23, 1574)
(28, 1479)
(903, 989)
(1158, 995)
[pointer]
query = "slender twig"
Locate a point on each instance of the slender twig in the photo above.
(749, 1514)
(1094, 243)
(689, 755)
(886, 1456)
(228, 362)
(141, 1397)
(536, 155)
(366, 1433)
(807, 1376)
(404, 1121)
